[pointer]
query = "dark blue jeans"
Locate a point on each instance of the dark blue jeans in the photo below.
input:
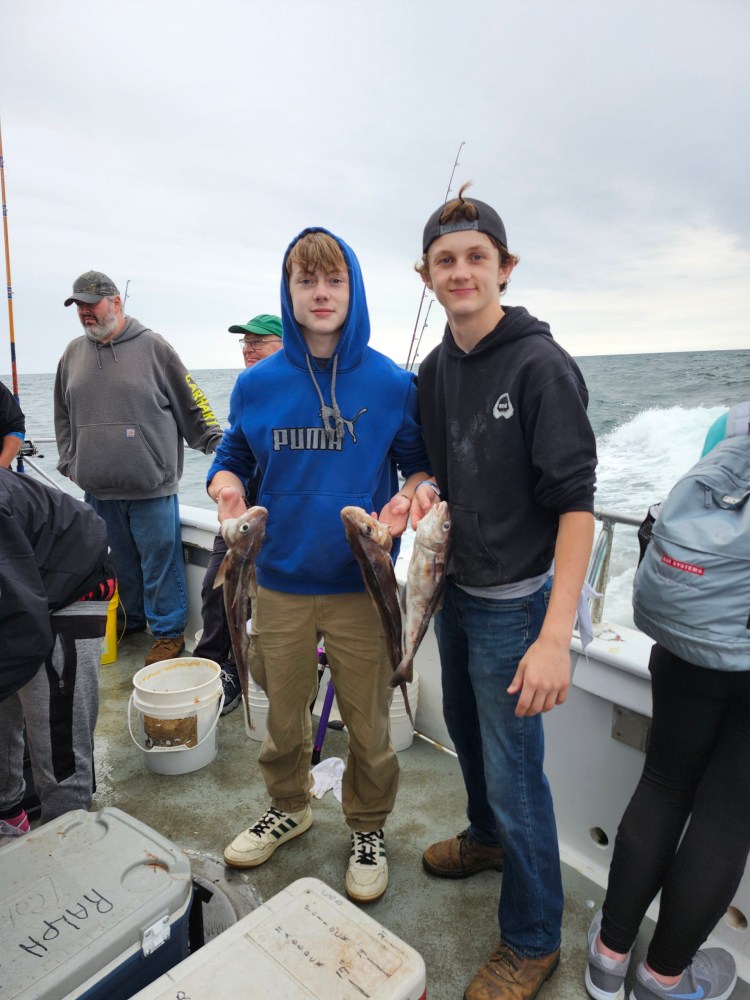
(481, 643)
(146, 543)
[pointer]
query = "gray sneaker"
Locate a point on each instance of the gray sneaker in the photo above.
(605, 977)
(711, 975)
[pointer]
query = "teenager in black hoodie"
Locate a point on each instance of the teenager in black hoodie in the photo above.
(503, 411)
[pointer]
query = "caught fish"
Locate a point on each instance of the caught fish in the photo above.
(425, 581)
(244, 536)
(370, 541)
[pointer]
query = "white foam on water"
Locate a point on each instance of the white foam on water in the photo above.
(639, 462)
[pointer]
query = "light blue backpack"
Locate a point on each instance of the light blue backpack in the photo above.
(691, 591)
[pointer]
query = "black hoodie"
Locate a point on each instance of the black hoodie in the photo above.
(52, 549)
(510, 444)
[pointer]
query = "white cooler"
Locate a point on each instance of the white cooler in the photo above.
(94, 906)
(305, 943)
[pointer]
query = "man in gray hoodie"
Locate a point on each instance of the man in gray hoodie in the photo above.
(124, 402)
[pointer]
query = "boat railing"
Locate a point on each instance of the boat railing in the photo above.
(598, 572)
(599, 565)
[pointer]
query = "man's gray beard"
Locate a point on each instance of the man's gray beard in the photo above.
(102, 330)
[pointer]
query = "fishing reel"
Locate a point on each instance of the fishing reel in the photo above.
(29, 450)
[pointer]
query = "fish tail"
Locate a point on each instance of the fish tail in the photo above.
(407, 706)
(404, 672)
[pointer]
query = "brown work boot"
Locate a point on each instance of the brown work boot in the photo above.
(507, 976)
(165, 649)
(460, 857)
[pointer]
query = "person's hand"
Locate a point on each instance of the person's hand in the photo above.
(424, 498)
(543, 677)
(231, 503)
(395, 514)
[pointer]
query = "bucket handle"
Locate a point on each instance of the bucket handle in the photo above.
(171, 749)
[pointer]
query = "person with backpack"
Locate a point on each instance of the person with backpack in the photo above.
(691, 594)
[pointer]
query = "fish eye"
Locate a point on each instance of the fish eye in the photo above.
(446, 526)
(244, 528)
(368, 529)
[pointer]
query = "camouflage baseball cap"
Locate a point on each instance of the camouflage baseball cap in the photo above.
(93, 286)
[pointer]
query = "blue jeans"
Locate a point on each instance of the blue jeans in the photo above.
(146, 543)
(481, 643)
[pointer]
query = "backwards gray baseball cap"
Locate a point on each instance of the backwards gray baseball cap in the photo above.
(93, 286)
(487, 221)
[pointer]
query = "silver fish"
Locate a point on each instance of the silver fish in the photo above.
(370, 541)
(244, 536)
(425, 581)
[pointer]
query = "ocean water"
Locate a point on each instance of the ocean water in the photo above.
(650, 413)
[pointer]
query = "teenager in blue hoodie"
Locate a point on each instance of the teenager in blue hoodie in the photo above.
(329, 421)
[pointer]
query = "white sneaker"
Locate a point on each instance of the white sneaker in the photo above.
(256, 844)
(367, 874)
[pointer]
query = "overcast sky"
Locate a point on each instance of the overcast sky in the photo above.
(181, 145)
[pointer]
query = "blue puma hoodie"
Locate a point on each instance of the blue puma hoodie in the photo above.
(323, 438)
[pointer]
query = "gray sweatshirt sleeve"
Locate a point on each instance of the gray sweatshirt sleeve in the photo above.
(62, 423)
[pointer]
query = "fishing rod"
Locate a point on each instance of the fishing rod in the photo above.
(414, 345)
(13, 369)
(424, 325)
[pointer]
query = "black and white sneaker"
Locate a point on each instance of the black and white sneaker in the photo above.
(367, 874)
(230, 680)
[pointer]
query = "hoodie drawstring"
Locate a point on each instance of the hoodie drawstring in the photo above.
(335, 432)
(100, 347)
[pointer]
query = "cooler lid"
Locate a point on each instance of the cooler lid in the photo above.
(80, 893)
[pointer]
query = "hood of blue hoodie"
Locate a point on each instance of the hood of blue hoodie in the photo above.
(355, 334)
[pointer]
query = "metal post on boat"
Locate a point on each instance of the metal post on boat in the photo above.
(598, 573)
(13, 370)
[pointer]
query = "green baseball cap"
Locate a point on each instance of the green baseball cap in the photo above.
(93, 286)
(264, 325)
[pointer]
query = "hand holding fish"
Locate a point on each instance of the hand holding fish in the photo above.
(228, 492)
(395, 514)
(424, 500)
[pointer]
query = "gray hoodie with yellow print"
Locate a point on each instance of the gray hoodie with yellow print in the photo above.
(122, 411)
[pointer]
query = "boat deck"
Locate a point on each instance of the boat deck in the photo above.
(452, 924)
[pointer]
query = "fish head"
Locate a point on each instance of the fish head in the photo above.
(246, 531)
(434, 530)
(362, 527)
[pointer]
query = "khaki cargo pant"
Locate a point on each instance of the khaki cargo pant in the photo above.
(286, 629)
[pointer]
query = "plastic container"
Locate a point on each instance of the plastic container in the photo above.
(306, 943)
(177, 703)
(258, 712)
(109, 642)
(402, 731)
(95, 905)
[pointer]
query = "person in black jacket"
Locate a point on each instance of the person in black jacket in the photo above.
(12, 427)
(56, 581)
(503, 411)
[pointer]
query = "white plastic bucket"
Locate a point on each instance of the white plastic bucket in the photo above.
(258, 712)
(402, 731)
(178, 702)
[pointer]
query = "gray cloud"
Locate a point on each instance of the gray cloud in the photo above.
(181, 145)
